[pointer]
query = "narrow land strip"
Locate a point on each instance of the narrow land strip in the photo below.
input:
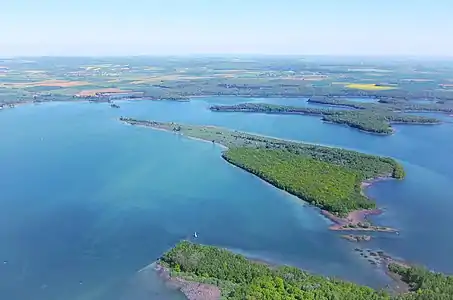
(326, 177)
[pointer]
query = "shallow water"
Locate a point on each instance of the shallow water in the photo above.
(88, 201)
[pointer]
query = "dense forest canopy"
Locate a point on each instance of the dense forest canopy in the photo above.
(240, 278)
(328, 186)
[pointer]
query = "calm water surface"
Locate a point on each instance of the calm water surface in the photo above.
(87, 201)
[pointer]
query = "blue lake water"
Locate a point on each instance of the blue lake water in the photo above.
(87, 201)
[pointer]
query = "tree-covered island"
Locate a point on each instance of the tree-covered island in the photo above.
(236, 277)
(364, 117)
(326, 177)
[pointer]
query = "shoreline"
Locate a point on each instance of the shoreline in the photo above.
(177, 133)
(87, 100)
(321, 117)
(196, 287)
(350, 223)
(393, 131)
(192, 290)
(352, 220)
(264, 136)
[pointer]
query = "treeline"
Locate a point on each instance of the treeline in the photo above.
(373, 121)
(241, 279)
(367, 166)
(366, 121)
(424, 285)
(389, 104)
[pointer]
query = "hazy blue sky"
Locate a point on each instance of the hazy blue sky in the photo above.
(117, 27)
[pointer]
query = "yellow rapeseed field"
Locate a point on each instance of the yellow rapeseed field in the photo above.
(370, 87)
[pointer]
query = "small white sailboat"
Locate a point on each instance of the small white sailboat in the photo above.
(195, 235)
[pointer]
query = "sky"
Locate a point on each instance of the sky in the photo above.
(146, 27)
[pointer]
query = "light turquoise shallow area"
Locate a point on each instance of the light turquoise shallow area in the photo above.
(87, 201)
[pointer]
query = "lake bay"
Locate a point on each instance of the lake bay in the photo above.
(87, 201)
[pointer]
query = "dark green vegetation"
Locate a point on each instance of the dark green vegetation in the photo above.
(370, 120)
(27, 79)
(330, 187)
(386, 104)
(324, 176)
(239, 278)
(425, 285)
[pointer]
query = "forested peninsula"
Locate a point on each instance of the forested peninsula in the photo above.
(236, 277)
(376, 121)
(386, 104)
(326, 177)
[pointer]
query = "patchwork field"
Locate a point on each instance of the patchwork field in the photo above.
(50, 83)
(51, 78)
